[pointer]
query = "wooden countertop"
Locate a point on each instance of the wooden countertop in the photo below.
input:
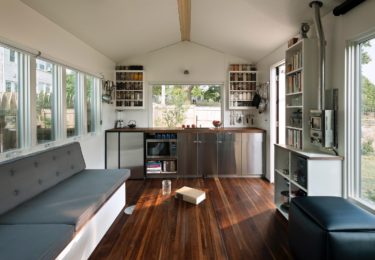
(189, 130)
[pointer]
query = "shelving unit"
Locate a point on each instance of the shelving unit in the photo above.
(161, 155)
(129, 93)
(242, 82)
(300, 173)
(301, 91)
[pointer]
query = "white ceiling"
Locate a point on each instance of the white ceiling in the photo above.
(121, 29)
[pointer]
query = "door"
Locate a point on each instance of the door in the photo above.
(132, 153)
(207, 154)
(187, 154)
(229, 154)
(253, 154)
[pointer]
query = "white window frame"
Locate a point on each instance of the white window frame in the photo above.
(152, 84)
(353, 125)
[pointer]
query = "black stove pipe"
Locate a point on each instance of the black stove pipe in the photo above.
(346, 7)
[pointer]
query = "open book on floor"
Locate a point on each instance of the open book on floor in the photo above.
(191, 195)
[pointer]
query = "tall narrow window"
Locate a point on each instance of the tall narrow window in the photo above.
(90, 102)
(44, 101)
(367, 108)
(9, 95)
(71, 102)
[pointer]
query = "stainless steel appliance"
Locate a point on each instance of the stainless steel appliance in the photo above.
(322, 127)
(161, 148)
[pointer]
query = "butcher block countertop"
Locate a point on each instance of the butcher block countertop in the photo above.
(189, 130)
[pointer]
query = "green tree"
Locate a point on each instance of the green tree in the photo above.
(174, 115)
(212, 94)
(368, 95)
(365, 59)
(70, 89)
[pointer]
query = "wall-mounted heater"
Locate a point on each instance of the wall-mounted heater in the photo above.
(322, 126)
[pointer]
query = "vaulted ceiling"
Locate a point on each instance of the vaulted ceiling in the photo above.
(121, 29)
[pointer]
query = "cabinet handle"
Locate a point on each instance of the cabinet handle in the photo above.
(197, 142)
(219, 142)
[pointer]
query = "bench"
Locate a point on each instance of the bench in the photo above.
(330, 228)
(51, 206)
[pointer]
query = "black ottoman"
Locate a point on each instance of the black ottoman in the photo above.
(330, 228)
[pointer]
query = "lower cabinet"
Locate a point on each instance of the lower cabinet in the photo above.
(253, 154)
(299, 173)
(224, 154)
(229, 154)
(125, 150)
(187, 154)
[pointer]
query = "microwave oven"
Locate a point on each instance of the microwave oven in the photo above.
(161, 148)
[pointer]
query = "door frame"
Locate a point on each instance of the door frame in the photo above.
(273, 98)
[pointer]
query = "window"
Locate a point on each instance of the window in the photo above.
(9, 96)
(45, 106)
(90, 102)
(176, 105)
(12, 56)
(71, 96)
(361, 120)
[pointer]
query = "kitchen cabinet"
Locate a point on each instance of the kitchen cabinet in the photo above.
(253, 154)
(187, 154)
(229, 154)
(207, 154)
(125, 150)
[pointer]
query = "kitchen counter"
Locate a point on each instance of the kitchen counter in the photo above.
(189, 130)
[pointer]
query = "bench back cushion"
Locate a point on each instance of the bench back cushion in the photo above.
(25, 177)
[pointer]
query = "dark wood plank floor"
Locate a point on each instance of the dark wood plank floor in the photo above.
(238, 220)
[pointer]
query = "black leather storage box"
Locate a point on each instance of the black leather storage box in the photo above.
(330, 228)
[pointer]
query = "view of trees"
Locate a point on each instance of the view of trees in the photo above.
(177, 99)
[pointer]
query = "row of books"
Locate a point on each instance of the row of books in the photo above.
(294, 83)
(294, 62)
(294, 138)
(153, 167)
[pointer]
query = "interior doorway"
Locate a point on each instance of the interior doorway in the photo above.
(277, 110)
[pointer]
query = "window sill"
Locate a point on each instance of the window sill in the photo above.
(368, 206)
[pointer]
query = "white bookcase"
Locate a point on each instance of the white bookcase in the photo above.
(129, 93)
(300, 173)
(300, 91)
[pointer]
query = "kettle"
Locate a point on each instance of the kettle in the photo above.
(119, 124)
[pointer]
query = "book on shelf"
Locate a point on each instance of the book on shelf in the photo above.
(294, 138)
(190, 195)
(153, 167)
(294, 61)
(294, 83)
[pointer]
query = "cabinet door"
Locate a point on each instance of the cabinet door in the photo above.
(132, 153)
(252, 154)
(207, 154)
(111, 150)
(187, 154)
(229, 154)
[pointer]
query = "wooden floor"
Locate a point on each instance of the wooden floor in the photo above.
(238, 220)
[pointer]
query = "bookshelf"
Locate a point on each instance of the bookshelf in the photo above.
(301, 91)
(299, 173)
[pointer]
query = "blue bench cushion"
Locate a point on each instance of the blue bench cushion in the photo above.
(24, 242)
(335, 213)
(23, 178)
(73, 202)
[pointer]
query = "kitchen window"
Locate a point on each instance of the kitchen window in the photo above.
(177, 105)
(361, 120)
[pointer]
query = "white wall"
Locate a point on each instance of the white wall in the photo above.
(23, 26)
(167, 65)
(338, 30)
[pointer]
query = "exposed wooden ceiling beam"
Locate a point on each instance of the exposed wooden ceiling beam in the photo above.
(184, 11)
